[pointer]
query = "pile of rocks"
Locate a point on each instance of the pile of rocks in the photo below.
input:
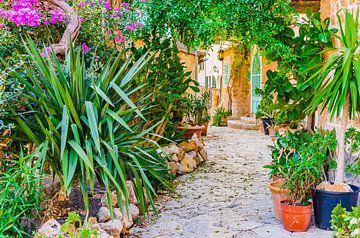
(186, 156)
(105, 225)
(183, 158)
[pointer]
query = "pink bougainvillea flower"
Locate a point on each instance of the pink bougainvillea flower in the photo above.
(133, 26)
(85, 48)
(107, 5)
(81, 4)
(119, 38)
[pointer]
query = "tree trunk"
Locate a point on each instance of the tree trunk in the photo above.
(71, 32)
(340, 169)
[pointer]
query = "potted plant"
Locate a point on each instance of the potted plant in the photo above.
(336, 89)
(266, 110)
(196, 115)
(304, 170)
(286, 153)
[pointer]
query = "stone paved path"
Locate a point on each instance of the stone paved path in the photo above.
(227, 198)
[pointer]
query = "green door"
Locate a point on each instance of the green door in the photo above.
(255, 83)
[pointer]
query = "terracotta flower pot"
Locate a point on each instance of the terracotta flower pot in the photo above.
(278, 194)
(205, 131)
(191, 130)
(277, 178)
(296, 218)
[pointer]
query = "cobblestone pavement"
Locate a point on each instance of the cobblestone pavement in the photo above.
(227, 197)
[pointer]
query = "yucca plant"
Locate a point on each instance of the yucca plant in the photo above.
(338, 83)
(92, 126)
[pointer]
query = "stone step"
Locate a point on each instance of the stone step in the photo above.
(243, 125)
(248, 119)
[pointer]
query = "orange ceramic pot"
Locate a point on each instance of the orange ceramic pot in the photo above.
(278, 194)
(296, 218)
(191, 130)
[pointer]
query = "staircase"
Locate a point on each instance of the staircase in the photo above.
(244, 123)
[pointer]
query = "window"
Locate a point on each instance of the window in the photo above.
(226, 74)
(213, 84)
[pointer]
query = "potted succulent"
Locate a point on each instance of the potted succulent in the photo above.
(196, 115)
(336, 89)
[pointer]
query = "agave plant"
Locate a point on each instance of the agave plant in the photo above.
(338, 83)
(92, 123)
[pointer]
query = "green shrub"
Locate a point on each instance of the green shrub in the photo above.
(346, 224)
(301, 158)
(91, 125)
(219, 115)
(20, 193)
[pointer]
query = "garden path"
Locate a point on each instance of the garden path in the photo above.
(227, 197)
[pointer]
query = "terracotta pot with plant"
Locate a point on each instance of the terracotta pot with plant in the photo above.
(337, 84)
(292, 155)
(302, 173)
(196, 115)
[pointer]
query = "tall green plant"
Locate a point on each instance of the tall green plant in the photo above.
(337, 83)
(92, 123)
(20, 193)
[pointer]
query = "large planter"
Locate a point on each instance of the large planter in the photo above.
(296, 218)
(278, 194)
(326, 201)
(191, 130)
(205, 130)
(266, 123)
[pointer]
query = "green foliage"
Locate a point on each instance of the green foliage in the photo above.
(91, 125)
(307, 48)
(301, 159)
(352, 142)
(267, 107)
(344, 66)
(248, 22)
(73, 228)
(167, 84)
(219, 115)
(21, 195)
(199, 109)
(346, 224)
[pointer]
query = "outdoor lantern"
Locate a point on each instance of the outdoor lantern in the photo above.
(221, 54)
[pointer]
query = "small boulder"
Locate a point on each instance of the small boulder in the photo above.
(104, 214)
(188, 146)
(50, 229)
(198, 160)
(127, 222)
(188, 165)
(181, 154)
(112, 227)
(179, 168)
(104, 202)
(118, 214)
(175, 158)
(203, 154)
(103, 234)
(134, 211)
(172, 167)
(191, 154)
(171, 149)
(132, 195)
